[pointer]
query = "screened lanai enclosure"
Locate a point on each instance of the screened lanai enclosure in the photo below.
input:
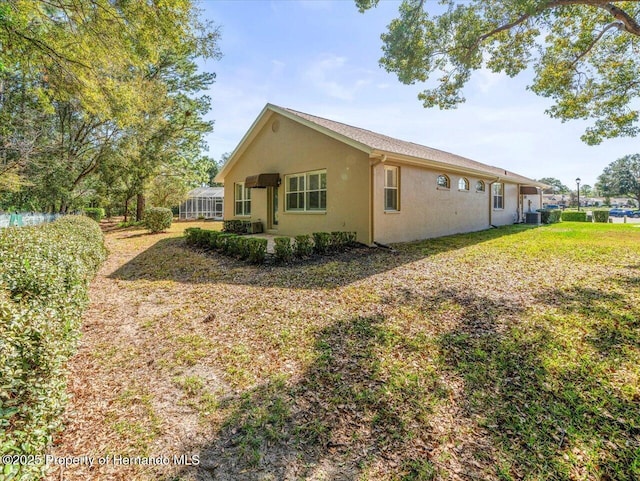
(203, 203)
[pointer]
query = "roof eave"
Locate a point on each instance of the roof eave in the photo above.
(422, 162)
(257, 124)
(324, 130)
(264, 117)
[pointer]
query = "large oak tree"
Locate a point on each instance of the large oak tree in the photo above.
(621, 178)
(79, 79)
(584, 54)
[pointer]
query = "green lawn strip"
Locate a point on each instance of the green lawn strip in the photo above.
(376, 380)
(513, 352)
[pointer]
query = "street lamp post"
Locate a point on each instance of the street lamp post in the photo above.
(578, 183)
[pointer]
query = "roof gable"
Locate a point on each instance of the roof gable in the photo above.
(374, 144)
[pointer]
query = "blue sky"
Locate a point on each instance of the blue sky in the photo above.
(321, 57)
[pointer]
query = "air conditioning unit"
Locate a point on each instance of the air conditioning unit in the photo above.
(255, 228)
(532, 218)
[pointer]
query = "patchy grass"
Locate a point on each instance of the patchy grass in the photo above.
(506, 354)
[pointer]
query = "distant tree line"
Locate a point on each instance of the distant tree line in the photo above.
(620, 178)
(102, 103)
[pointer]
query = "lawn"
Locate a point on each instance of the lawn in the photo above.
(512, 353)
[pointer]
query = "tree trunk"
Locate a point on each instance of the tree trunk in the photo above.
(140, 207)
(126, 208)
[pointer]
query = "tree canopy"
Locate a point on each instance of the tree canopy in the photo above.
(584, 54)
(621, 178)
(95, 92)
(556, 185)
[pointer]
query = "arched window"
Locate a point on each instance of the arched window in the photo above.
(463, 184)
(480, 186)
(443, 181)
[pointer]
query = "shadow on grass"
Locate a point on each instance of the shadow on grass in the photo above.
(551, 410)
(171, 259)
(611, 318)
(371, 404)
(352, 412)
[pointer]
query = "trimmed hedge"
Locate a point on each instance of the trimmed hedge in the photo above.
(550, 216)
(252, 249)
(236, 226)
(282, 249)
(600, 216)
(574, 216)
(43, 293)
(257, 250)
(95, 213)
(321, 242)
(303, 246)
(157, 219)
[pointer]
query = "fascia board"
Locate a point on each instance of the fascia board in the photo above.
(420, 162)
(248, 137)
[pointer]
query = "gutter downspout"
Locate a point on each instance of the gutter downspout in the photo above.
(372, 164)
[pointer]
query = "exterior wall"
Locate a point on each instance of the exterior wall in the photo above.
(508, 215)
(426, 210)
(531, 203)
(287, 147)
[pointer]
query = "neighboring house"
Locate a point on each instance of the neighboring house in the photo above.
(299, 174)
(564, 200)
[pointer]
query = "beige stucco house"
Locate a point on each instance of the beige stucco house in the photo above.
(298, 173)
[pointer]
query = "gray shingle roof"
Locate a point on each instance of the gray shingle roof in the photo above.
(386, 144)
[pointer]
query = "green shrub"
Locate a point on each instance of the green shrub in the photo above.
(197, 237)
(321, 242)
(550, 216)
(157, 219)
(202, 238)
(282, 249)
(222, 242)
(601, 216)
(243, 247)
(257, 250)
(235, 226)
(341, 240)
(191, 235)
(95, 213)
(209, 238)
(43, 292)
(574, 216)
(303, 246)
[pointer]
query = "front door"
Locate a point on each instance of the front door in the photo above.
(272, 205)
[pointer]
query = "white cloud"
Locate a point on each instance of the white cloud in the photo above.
(333, 77)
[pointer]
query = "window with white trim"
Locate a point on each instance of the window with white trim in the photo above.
(463, 184)
(306, 192)
(498, 195)
(391, 190)
(242, 197)
(480, 186)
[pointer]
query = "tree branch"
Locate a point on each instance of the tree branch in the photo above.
(508, 26)
(625, 21)
(628, 22)
(596, 40)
